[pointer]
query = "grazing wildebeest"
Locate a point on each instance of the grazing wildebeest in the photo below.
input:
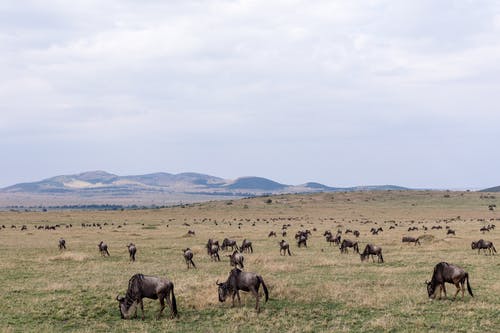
(284, 247)
(348, 243)
(226, 243)
(246, 246)
(272, 234)
(450, 232)
(283, 232)
(444, 272)
(239, 280)
(191, 233)
(131, 251)
(330, 239)
(485, 245)
(214, 252)
(236, 259)
(372, 250)
(188, 256)
(356, 233)
(141, 286)
(103, 248)
(408, 239)
(62, 244)
(210, 244)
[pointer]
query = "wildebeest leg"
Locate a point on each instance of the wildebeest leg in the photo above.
(234, 295)
(373, 258)
(288, 252)
(458, 290)
(142, 309)
(444, 290)
(162, 304)
(256, 294)
(170, 305)
(239, 299)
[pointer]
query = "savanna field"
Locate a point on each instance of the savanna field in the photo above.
(317, 289)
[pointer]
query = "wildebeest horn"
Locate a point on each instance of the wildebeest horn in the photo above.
(426, 282)
(118, 298)
(217, 282)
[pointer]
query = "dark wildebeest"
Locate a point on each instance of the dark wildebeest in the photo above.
(239, 280)
(214, 252)
(284, 247)
(485, 245)
(191, 233)
(301, 237)
(62, 244)
(236, 259)
(272, 234)
(408, 239)
(348, 243)
(209, 245)
(188, 256)
(450, 232)
(226, 243)
(131, 251)
(246, 246)
(142, 286)
(483, 229)
(444, 272)
(283, 232)
(103, 248)
(330, 239)
(372, 250)
(356, 233)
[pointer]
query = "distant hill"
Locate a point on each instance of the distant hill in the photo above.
(97, 187)
(491, 189)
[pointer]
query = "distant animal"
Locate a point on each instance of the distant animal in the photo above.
(444, 272)
(485, 245)
(226, 243)
(283, 232)
(284, 247)
(356, 233)
(62, 244)
(436, 227)
(246, 246)
(188, 257)
(272, 234)
(214, 252)
(103, 248)
(413, 228)
(236, 259)
(131, 251)
(450, 232)
(191, 233)
(372, 250)
(245, 281)
(301, 237)
(408, 239)
(142, 286)
(330, 239)
(211, 243)
(24, 228)
(346, 243)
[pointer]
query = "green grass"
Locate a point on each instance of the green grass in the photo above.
(315, 290)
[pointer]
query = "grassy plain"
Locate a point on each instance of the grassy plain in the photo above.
(314, 290)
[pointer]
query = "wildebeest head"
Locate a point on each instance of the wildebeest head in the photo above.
(473, 245)
(431, 289)
(121, 305)
(223, 290)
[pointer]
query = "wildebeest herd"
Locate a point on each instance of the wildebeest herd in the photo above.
(142, 286)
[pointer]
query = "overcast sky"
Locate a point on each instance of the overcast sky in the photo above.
(339, 92)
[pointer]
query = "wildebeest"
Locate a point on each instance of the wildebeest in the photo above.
(348, 243)
(485, 245)
(408, 239)
(239, 280)
(356, 233)
(236, 259)
(450, 232)
(301, 237)
(141, 286)
(330, 239)
(444, 272)
(188, 256)
(272, 234)
(214, 252)
(284, 247)
(62, 244)
(191, 233)
(226, 243)
(413, 228)
(131, 251)
(209, 245)
(372, 250)
(103, 248)
(246, 246)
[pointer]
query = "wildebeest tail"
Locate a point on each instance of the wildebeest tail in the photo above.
(174, 302)
(492, 246)
(266, 292)
(192, 263)
(381, 258)
(468, 285)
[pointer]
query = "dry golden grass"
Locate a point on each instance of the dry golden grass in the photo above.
(315, 289)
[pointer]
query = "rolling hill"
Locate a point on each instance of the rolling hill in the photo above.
(156, 188)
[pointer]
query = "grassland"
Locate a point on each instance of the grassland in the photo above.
(315, 290)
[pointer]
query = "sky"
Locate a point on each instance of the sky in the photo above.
(343, 93)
